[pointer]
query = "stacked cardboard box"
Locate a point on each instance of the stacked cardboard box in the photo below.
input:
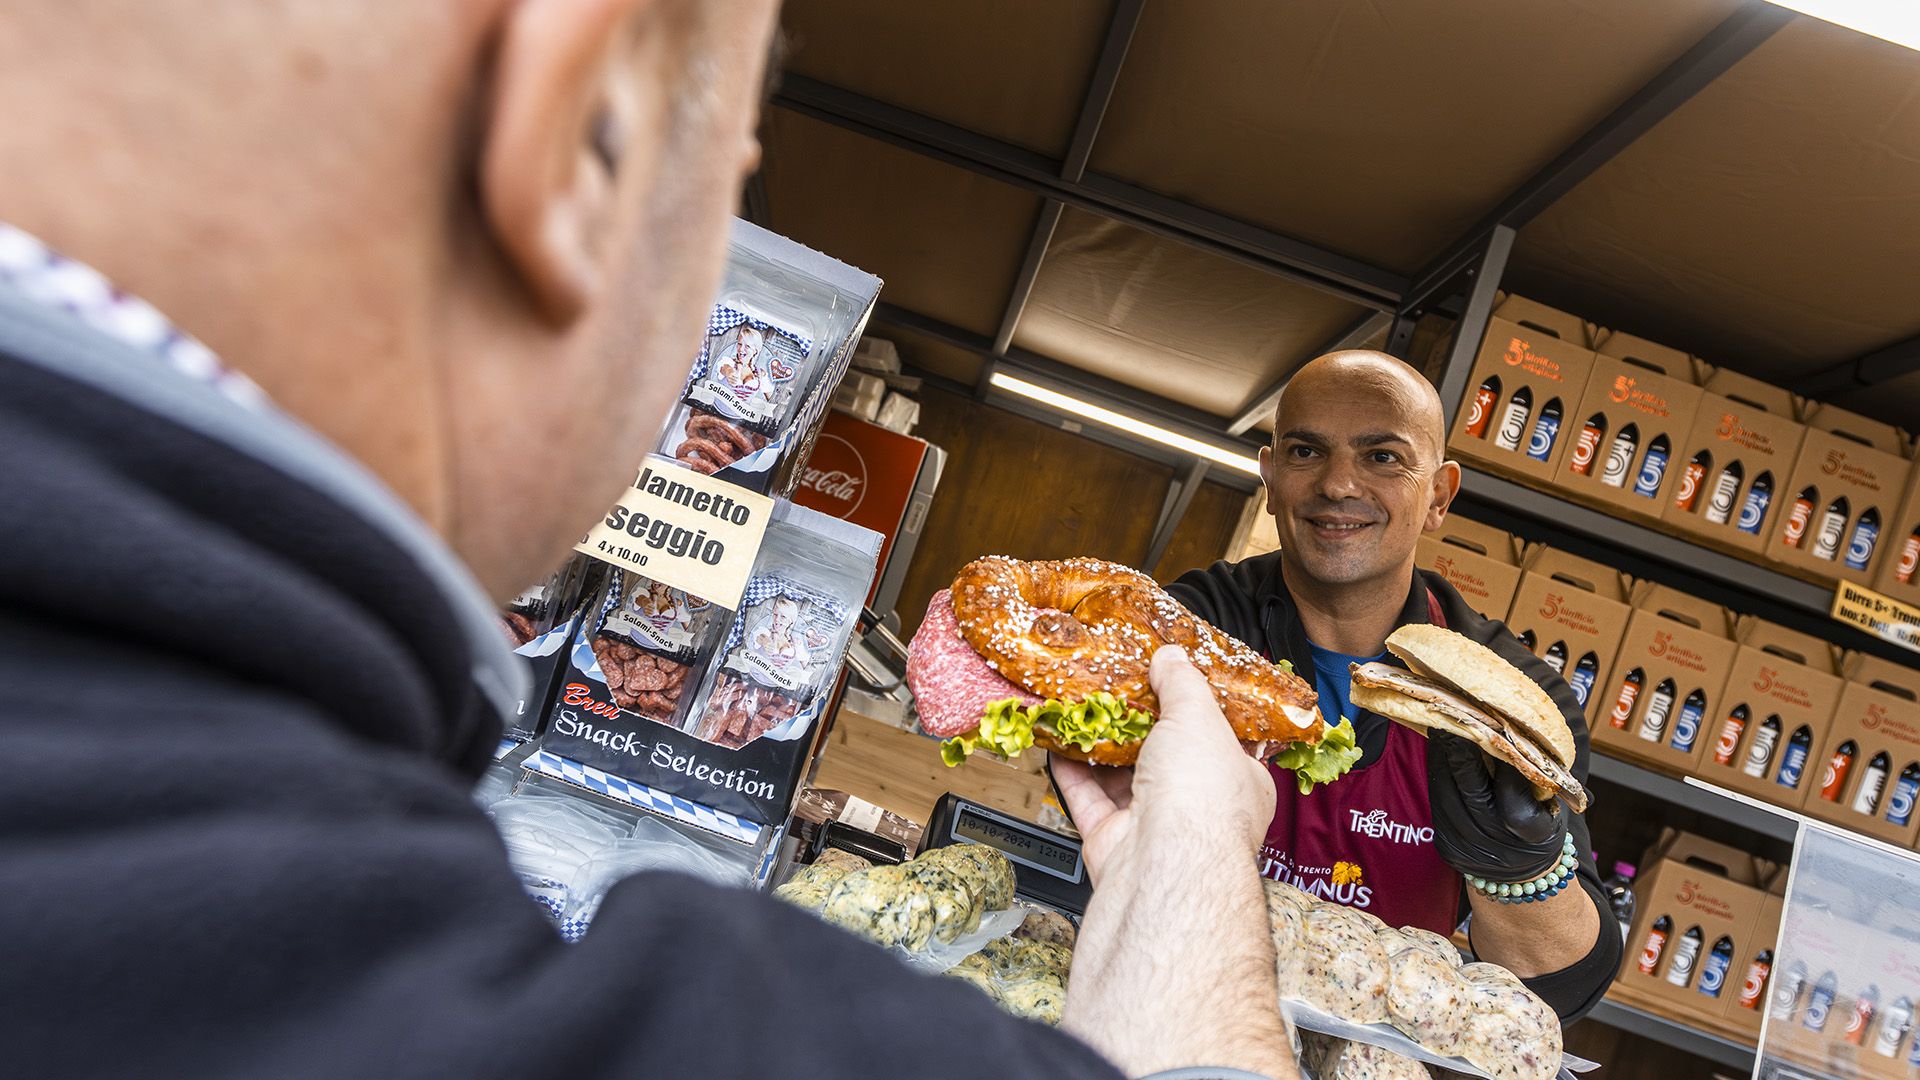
(1842, 498)
(1899, 575)
(1743, 445)
(1630, 427)
(1870, 762)
(1666, 683)
(1574, 611)
(1480, 561)
(1700, 920)
(1776, 708)
(1532, 365)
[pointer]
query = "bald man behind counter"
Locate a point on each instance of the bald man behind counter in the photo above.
(1355, 474)
(245, 685)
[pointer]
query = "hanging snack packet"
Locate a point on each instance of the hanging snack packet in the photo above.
(785, 644)
(652, 643)
(777, 343)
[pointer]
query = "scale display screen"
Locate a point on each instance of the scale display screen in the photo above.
(1016, 843)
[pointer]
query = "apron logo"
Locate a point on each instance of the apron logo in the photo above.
(1377, 825)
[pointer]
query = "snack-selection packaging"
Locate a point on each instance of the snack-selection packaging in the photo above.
(1658, 701)
(1481, 562)
(1530, 372)
(776, 346)
(1054, 655)
(721, 708)
(1869, 766)
(1744, 443)
(1899, 574)
(539, 622)
(1698, 913)
(1630, 427)
(1572, 612)
(1841, 500)
(1774, 713)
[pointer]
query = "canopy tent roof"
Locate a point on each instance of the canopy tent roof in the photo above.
(1189, 200)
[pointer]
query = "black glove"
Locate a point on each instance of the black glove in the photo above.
(1488, 824)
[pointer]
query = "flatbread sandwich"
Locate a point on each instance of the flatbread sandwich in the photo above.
(1457, 685)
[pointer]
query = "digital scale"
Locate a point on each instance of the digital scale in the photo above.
(1047, 867)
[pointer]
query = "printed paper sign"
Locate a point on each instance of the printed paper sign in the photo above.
(692, 532)
(1882, 616)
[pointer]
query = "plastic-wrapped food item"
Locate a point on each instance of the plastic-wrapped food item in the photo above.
(1342, 968)
(813, 884)
(1429, 1000)
(1039, 996)
(978, 970)
(1047, 926)
(777, 343)
(784, 646)
(652, 645)
(986, 870)
(884, 904)
(1329, 1058)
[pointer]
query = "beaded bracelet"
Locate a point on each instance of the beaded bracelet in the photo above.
(1545, 886)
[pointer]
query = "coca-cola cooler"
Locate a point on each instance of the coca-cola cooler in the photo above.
(877, 478)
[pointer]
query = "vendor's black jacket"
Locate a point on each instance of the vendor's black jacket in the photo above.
(1249, 600)
(244, 696)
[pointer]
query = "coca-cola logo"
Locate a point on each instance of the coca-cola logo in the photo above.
(838, 473)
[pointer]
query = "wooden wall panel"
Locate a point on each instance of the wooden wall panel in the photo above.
(1205, 534)
(1014, 486)
(1017, 487)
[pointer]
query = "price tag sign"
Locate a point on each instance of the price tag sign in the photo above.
(1882, 616)
(683, 529)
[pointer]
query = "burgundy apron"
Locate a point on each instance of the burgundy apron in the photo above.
(1366, 840)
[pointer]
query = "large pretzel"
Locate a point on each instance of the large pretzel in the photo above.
(1080, 626)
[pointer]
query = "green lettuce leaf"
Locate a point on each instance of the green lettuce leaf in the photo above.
(1322, 762)
(1007, 728)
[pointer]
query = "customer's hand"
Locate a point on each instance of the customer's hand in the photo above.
(1175, 964)
(1191, 767)
(1486, 821)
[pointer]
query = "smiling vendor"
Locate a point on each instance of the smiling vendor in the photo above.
(1356, 473)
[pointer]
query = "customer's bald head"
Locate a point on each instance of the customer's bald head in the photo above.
(468, 240)
(1400, 390)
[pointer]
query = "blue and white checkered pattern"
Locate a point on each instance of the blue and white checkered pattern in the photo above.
(637, 794)
(507, 746)
(723, 319)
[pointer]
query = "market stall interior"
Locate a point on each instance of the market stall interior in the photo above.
(1107, 240)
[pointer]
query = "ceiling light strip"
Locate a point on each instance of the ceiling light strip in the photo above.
(1081, 409)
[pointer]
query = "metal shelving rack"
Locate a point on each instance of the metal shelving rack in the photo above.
(1460, 283)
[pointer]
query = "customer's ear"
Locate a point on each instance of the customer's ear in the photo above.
(563, 109)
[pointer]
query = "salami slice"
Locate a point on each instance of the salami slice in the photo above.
(952, 686)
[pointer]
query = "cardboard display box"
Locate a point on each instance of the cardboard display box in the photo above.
(1775, 711)
(1533, 364)
(1712, 890)
(1480, 561)
(1842, 498)
(1671, 669)
(1879, 713)
(1745, 999)
(1574, 608)
(1742, 447)
(1629, 432)
(1899, 574)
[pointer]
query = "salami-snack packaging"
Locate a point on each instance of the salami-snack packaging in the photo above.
(653, 644)
(716, 707)
(777, 344)
(784, 647)
(539, 622)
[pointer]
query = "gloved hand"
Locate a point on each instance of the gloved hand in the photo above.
(1486, 822)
